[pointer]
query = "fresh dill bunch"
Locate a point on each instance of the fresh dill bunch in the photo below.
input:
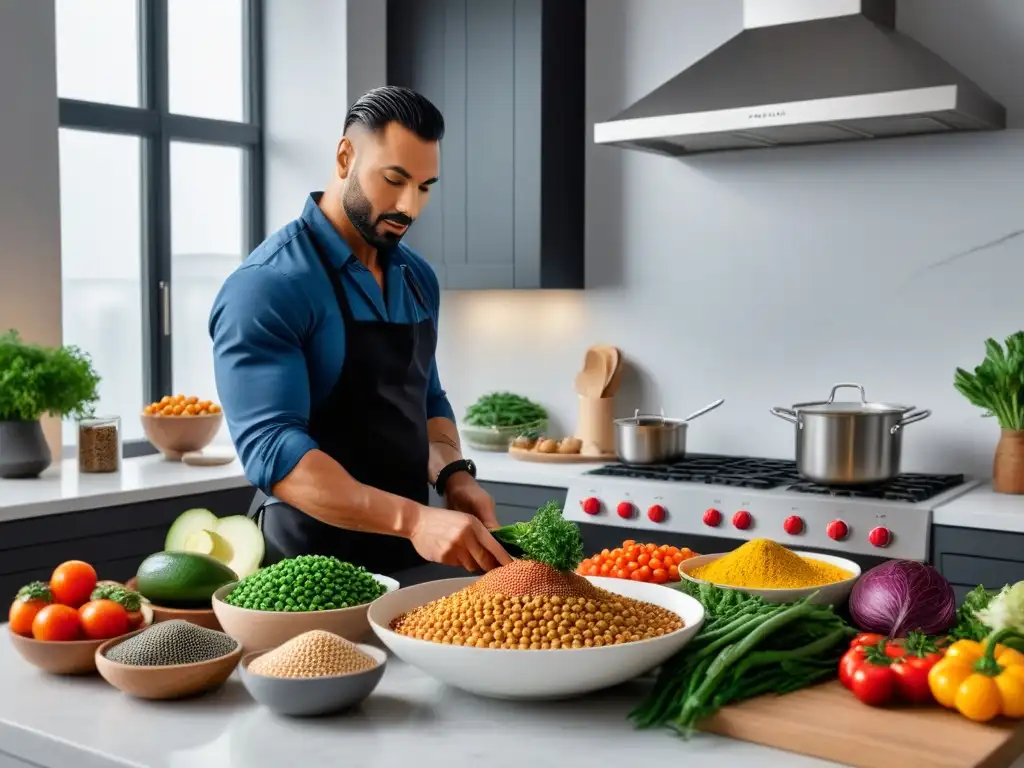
(547, 538)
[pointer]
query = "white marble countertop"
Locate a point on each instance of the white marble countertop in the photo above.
(62, 489)
(982, 507)
(55, 722)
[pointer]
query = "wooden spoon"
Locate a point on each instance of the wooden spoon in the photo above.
(612, 387)
(590, 381)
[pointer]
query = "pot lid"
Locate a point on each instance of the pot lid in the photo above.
(648, 420)
(850, 406)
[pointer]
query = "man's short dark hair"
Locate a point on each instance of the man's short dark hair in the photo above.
(395, 104)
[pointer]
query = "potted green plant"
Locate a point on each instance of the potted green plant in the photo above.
(37, 380)
(997, 386)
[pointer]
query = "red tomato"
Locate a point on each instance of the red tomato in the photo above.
(57, 622)
(673, 573)
(103, 619)
(866, 638)
(73, 582)
(22, 614)
(873, 684)
(645, 573)
(912, 678)
(659, 576)
(643, 558)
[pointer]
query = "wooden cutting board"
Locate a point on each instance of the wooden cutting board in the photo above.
(827, 722)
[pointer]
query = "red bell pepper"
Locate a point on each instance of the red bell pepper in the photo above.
(884, 672)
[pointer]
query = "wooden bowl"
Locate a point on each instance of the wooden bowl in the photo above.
(173, 681)
(67, 657)
(203, 617)
(178, 435)
(257, 630)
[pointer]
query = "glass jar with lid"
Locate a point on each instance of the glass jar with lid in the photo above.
(99, 444)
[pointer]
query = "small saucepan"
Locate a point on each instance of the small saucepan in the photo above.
(649, 439)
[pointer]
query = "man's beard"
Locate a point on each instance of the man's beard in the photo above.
(360, 213)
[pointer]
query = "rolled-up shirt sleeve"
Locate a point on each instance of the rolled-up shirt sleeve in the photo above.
(257, 325)
(438, 405)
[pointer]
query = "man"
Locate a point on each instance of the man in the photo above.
(324, 344)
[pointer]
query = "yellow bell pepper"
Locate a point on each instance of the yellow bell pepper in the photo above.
(980, 680)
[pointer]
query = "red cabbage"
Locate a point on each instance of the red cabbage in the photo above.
(902, 596)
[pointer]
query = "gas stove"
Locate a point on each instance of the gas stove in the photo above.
(745, 498)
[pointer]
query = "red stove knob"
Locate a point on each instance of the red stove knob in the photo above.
(837, 530)
(742, 520)
(624, 510)
(656, 513)
(880, 536)
(591, 506)
(793, 525)
(712, 517)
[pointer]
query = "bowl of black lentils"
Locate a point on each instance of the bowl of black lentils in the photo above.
(299, 595)
(169, 660)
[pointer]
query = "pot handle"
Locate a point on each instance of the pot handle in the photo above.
(910, 418)
(785, 414)
(847, 385)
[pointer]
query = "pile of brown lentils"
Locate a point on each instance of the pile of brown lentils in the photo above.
(530, 606)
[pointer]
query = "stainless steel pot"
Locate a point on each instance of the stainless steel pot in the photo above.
(649, 439)
(849, 443)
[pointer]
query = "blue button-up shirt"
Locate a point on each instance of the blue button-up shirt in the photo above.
(279, 338)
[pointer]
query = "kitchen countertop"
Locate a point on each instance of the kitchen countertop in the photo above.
(983, 508)
(148, 478)
(55, 722)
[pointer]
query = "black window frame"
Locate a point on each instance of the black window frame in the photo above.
(157, 126)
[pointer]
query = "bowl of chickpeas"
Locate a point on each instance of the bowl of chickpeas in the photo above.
(180, 424)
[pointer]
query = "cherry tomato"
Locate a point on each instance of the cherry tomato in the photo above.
(73, 582)
(635, 575)
(655, 563)
(57, 622)
(673, 573)
(605, 569)
(593, 571)
(912, 678)
(103, 619)
(659, 576)
(645, 573)
(873, 684)
(643, 558)
(621, 573)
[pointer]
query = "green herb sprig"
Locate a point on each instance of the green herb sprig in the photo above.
(37, 380)
(997, 385)
(547, 538)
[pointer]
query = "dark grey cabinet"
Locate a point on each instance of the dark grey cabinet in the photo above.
(968, 557)
(509, 76)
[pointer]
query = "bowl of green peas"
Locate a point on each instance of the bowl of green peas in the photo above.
(297, 595)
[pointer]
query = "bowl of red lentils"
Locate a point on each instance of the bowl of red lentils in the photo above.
(315, 673)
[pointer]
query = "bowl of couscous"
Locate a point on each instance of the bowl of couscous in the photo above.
(315, 673)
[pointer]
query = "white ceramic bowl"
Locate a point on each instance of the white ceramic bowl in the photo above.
(256, 630)
(828, 594)
(552, 674)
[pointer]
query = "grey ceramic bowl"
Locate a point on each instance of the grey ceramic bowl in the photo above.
(308, 696)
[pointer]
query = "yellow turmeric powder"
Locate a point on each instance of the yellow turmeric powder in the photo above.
(763, 564)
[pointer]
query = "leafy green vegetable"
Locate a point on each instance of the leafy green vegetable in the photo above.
(1005, 610)
(547, 538)
(745, 648)
(997, 385)
(130, 599)
(37, 380)
(503, 409)
(968, 626)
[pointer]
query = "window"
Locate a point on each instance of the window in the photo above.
(161, 186)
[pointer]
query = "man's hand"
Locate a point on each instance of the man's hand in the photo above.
(464, 494)
(453, 538)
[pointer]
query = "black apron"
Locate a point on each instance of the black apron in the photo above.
(373, 423)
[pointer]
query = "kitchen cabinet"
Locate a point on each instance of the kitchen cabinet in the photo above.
(968, 557)
(509, 76)
(114, 539)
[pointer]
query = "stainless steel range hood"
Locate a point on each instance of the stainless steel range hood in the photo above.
(805, 72)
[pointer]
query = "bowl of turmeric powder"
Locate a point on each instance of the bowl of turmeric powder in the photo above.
(769, 570)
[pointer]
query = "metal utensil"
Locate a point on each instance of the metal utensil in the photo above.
(849, 442)
(653, 439)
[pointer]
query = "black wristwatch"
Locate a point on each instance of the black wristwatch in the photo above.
(459, 465)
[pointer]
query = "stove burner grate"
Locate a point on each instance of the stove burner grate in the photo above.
(765, 474)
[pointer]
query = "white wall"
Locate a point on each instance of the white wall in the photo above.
(765, 277)
(320, 56)
(30, 297)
